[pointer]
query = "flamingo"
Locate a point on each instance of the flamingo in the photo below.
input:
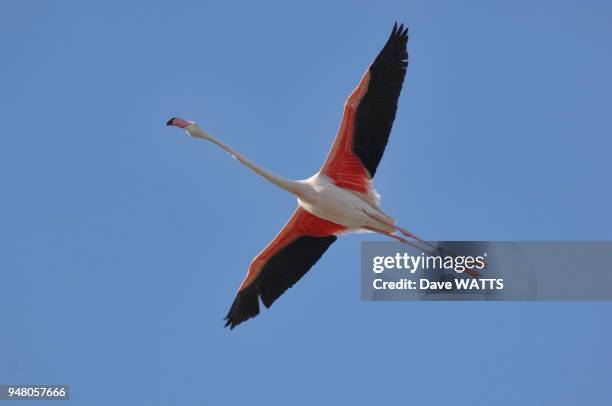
(338, 199)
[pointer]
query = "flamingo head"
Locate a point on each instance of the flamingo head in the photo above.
(179, 122)
(191, 127)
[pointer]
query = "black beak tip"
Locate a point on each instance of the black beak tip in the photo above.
(170, 121)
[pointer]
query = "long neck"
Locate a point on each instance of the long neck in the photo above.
(287, 184)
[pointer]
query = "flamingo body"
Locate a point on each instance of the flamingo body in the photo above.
(340, 197)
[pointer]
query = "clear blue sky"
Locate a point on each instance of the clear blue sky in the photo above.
(123, 241)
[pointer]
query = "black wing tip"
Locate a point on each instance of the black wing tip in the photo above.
(244, 306)
(398, 33)
(395, 46)
(399, 30)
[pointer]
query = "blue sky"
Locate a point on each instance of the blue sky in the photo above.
(123, 241)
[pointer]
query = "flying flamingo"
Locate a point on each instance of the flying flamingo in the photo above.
(340, 197)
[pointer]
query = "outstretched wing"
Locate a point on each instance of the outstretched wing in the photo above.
(297, 247)
(368, 117)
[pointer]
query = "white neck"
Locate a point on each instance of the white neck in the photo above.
(289, 185)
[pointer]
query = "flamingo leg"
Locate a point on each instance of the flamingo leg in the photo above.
(401, 230)
(398, 238)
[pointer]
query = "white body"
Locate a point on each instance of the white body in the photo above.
(321, 197)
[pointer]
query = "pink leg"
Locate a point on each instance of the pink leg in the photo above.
(401, 230)
(413, 236)
(398, 238)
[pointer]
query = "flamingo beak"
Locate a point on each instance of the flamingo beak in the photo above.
(177, 122)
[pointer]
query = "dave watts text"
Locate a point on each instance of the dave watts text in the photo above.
(424, 284)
